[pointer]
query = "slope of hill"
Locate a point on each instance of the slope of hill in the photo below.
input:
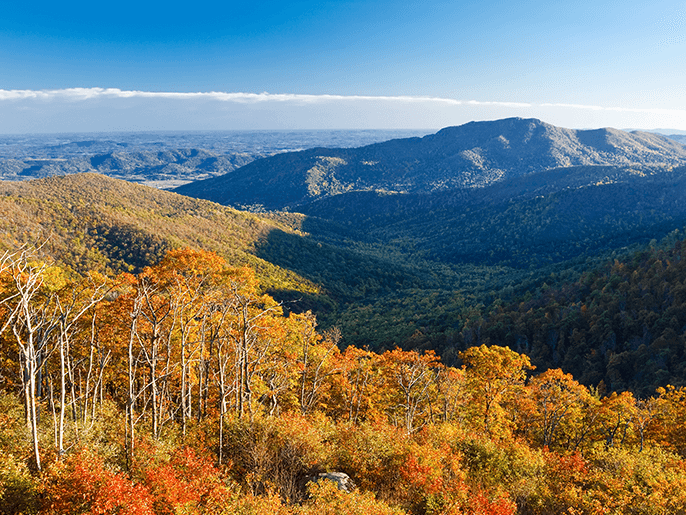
(623, 323)
(93, 222)
(481, 245)
(476, 154)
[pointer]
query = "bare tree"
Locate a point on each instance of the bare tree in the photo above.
(70, 308)
(313, 361)
(251, 340)
(33, 318)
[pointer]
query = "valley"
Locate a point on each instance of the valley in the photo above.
(399, 255)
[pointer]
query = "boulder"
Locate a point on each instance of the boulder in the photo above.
(341, 479)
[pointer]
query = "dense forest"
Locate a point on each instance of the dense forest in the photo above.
(182, 387)
(622, 324)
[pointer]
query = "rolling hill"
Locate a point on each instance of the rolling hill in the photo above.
(93, 222)
(163, 168)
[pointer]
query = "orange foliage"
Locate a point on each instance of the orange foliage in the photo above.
(193, 348)
(480, 504)
(82, 484)
(186, 483)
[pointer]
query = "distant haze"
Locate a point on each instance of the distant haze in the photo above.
(102, 110)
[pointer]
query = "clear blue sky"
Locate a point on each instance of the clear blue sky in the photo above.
(601, 63)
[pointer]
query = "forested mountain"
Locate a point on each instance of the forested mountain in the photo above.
(476, 154)
(621, 325)
(532, 220)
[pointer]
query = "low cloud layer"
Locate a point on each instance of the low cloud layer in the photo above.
(111, 109)
(81, 94)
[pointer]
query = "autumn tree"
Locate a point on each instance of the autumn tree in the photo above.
(33, 318)
(191, 279)
(355, 389)
(494, 376)
(73, 302)
(315, 356)
(617, 414)
(557, 401)
(410, 381)
(253, 329)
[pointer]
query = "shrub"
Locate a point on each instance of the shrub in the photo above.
(81, 484)
(18, 488)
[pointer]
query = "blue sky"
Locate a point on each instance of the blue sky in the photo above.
(340, 64)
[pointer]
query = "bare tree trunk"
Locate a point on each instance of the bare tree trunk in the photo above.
(34, 414)
(32, 323)
(63, 396)
(54, 413)
(130, 403)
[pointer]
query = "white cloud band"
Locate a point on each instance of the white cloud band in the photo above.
(83, 94)
(76, 94)
(103, 109)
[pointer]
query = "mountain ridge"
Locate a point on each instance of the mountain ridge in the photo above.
(90, 221)
(472, 155)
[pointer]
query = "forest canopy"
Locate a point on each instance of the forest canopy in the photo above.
(183, 387)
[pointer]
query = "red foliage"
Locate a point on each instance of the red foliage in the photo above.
(422, 475)
(82, 484)
(480, 504)
(186, 481)
(572, 468)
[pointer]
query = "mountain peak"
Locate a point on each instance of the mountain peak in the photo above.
(475, 154)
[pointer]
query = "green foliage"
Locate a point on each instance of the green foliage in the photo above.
(622, 324)
(18, 487)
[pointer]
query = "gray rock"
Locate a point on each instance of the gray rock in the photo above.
(341, 479)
